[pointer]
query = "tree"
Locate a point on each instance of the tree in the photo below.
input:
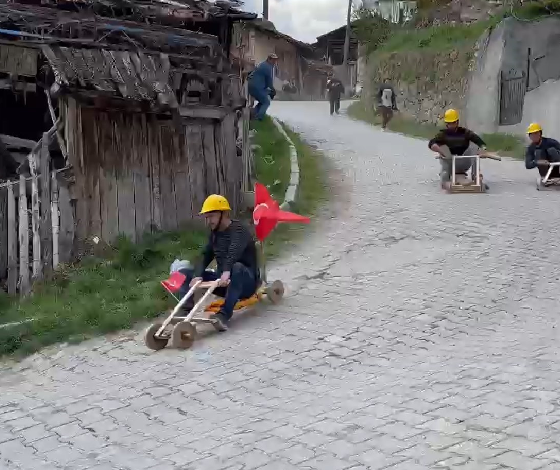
(370, 28)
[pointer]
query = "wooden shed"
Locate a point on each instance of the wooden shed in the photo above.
(143, 122)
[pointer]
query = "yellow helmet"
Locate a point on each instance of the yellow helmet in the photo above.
(534, 127)
(215, 203)
(451, 116)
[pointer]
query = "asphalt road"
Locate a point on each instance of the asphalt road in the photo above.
(419, 331)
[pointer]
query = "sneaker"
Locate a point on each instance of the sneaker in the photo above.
(219, 322)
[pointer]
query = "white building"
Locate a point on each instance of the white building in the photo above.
(395, 11)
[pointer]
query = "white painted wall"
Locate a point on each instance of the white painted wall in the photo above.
(541, 105)
(483, 96)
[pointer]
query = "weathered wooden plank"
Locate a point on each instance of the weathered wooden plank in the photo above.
(61, 143)
(229, 164)
(166, 178)
(23, 230)
(3, 233)
(107, 177)
(12, 237)
(211, 175)
(153, 139)
(182, 181)
(92, 153)
(248, 164)
(46, 209)
(35, 216)
(125, 180)
(193, 136)
(142, 184)
(55, 224)
(66, 235)
(11, 141)
(73, 129)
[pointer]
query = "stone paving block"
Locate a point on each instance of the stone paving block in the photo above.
(298, 453)
(325, 461)
(525, 447)
(516, 460)
(375, 460)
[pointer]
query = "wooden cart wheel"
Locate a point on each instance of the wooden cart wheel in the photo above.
(275, 292)
(153, 343)
(183, 335)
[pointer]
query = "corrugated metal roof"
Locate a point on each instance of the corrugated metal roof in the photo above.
(130, 75)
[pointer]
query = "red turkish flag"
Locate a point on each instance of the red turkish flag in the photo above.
(267, 213)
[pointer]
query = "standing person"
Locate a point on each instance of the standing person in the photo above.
(335, 89)
(387, 103)
(541, 152)
(261, 85)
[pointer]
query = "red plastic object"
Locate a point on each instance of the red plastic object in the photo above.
(174, 283)
(267, 213)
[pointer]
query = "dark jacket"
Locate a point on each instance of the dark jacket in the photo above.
(232, 245)
(545, 144)
(335, 88)
(457, 140)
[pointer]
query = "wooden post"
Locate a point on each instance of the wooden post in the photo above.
(12, 242)
(55, 218)
(35, 216)
(59, 137)
(23, 239)
(3, 233)
(46, 214)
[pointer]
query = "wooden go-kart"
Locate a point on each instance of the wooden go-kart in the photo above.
(179, 328)
(460, 183)
(547, 182)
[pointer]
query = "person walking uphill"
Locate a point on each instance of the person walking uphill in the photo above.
(232, 245)
(387, 103)
(261, 85)
(335, 89)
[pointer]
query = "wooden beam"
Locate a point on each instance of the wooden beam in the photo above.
(18, 85)
(46, 226)
(11, 141)
(204, 112)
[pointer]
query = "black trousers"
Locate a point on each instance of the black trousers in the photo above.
(335, 104)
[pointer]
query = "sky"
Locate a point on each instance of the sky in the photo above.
(303, 19)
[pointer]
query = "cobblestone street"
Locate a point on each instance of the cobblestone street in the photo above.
(419, 331)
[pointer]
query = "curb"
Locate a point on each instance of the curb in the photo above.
(291, 192)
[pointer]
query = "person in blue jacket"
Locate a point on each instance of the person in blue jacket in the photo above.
(261, 85)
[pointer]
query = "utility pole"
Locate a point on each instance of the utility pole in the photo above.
(347, 41)
(265, 9)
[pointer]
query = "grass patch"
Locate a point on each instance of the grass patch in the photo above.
(114, 292)
(272, 158)
(312, 189)
(436, 38)
(99, 295)
(505, 144)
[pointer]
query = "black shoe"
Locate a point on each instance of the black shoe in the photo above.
(219, 322)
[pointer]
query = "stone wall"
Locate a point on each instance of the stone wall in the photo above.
(427, 82)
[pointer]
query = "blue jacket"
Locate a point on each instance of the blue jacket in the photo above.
(262, 77)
